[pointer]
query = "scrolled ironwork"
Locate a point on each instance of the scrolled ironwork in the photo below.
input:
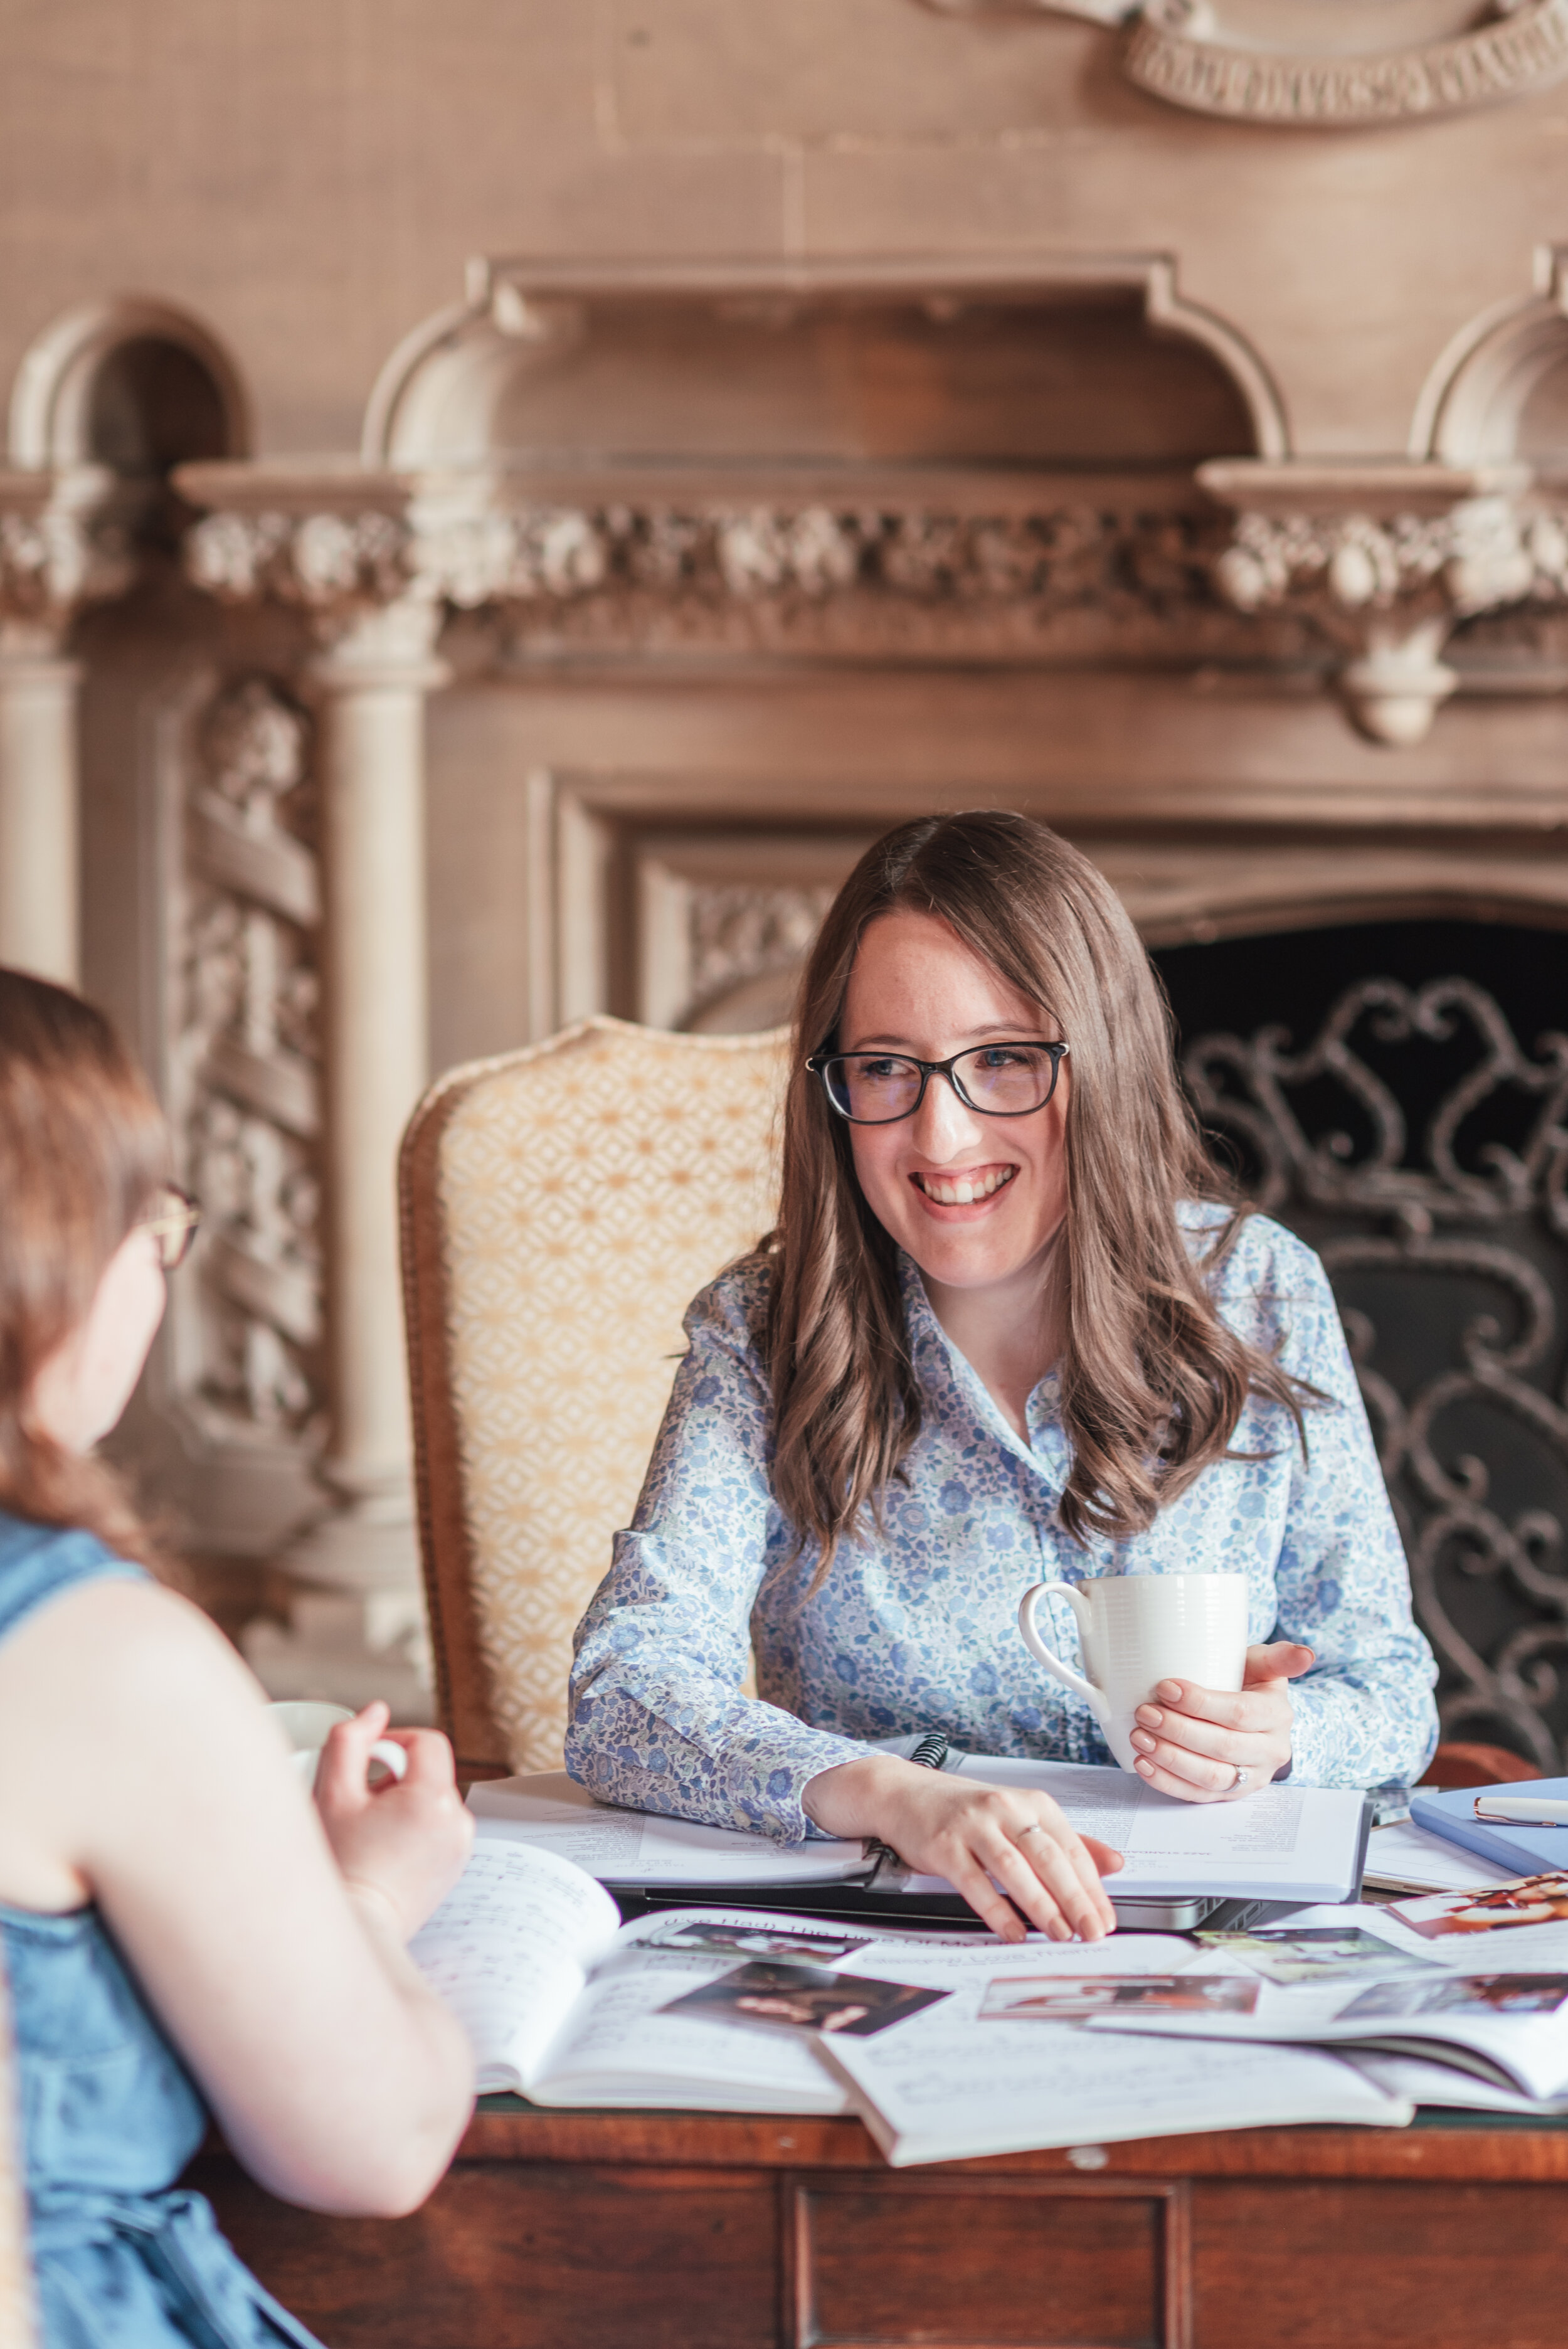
(1463, 1371)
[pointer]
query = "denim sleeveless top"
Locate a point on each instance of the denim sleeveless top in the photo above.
(107, 2114)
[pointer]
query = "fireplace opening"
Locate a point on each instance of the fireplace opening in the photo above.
(1396, 1091)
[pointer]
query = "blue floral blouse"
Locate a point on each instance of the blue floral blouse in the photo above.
(915, 1629)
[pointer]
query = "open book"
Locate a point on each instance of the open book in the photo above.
(961, 2080)
(561, 2002)
(738, 2011)
(1494, 2003)
(1425, 2083)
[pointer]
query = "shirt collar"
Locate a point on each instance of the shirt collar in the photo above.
(947, 1377)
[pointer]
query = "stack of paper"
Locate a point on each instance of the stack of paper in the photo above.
(550, 1811)
(1286, 1843)
(1405, 1858)
(1283, 1843)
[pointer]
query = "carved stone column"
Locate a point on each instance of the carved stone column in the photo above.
(339, 551)
(58, 550)
(372, 684)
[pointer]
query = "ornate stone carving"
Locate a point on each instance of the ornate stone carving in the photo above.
(249, 1055)
(1177, 50)
(61, 546)
(330, 563)
(1380, 563)
(1386, 592)
(1383, 564)
(1191, 66)
(742, 933)
(817, 578)
(1455, 1268)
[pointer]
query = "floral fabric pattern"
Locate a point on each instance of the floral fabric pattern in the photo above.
(915, 1628)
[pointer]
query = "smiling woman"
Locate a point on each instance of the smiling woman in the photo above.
(1010, 1327)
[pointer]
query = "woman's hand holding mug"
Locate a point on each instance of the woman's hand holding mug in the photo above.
(1178, 1695)
(1192, 1741)
(404, 1841)
(979, 1837)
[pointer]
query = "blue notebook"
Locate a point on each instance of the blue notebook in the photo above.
(1531, 1850)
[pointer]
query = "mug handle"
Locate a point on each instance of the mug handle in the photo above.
(394, 1759)
(1042, 1654)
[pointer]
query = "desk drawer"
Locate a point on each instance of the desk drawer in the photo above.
(513, 2255)
(945, 2262)
(1370, 2263)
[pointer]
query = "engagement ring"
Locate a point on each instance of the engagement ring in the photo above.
(1241, 1777)
(1035, 1830)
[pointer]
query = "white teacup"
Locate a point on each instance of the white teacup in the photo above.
(306, 1724)
(1137, 1630)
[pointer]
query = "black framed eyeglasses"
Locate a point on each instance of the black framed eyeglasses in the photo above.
(173, 1222)
(998, 1080)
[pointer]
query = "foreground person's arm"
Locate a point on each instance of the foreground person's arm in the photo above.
(336, 2077)
(979, 1837)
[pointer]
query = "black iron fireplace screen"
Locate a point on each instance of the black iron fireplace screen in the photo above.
(1410, 1124)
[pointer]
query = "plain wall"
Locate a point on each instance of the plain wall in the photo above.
(309, 176)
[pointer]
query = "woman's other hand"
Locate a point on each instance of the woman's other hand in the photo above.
(1192, 1741)
(978, 1837)
(404, 1840)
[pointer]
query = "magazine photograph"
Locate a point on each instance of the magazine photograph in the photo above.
(803, 1998)
(1466, 1993)
(1530, 1900)
(1318, 1953)
(1074, 1997)
(756, 1941)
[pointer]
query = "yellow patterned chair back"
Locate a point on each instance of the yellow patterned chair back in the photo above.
(17, 2329)
(561, 1207)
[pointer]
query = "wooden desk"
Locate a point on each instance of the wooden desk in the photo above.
(631, 2230)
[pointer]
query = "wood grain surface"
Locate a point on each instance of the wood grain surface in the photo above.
(693, 2231)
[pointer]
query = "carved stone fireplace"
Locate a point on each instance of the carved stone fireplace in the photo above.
(653, 593)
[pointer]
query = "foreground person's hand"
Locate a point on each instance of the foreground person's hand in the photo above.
(405, 1841)
(973, 1834)
(1192, 1741)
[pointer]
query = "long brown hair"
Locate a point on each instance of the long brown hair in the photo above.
(83, 1149)
(1152, 1380)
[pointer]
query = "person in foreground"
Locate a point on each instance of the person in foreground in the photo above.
(179, 1922)
(1010, 1327)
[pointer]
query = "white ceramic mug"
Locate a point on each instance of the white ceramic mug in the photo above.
(306, 1724)
(1137, 1630)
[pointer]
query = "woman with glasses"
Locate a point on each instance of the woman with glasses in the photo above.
(183, 1928)
(1012, 1326)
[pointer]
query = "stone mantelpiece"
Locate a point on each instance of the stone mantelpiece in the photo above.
(1360, 570)
(613, 720)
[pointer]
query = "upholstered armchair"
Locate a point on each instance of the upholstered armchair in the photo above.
(561, 1208)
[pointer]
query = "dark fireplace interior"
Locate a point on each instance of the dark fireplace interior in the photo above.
(1396, 1091)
